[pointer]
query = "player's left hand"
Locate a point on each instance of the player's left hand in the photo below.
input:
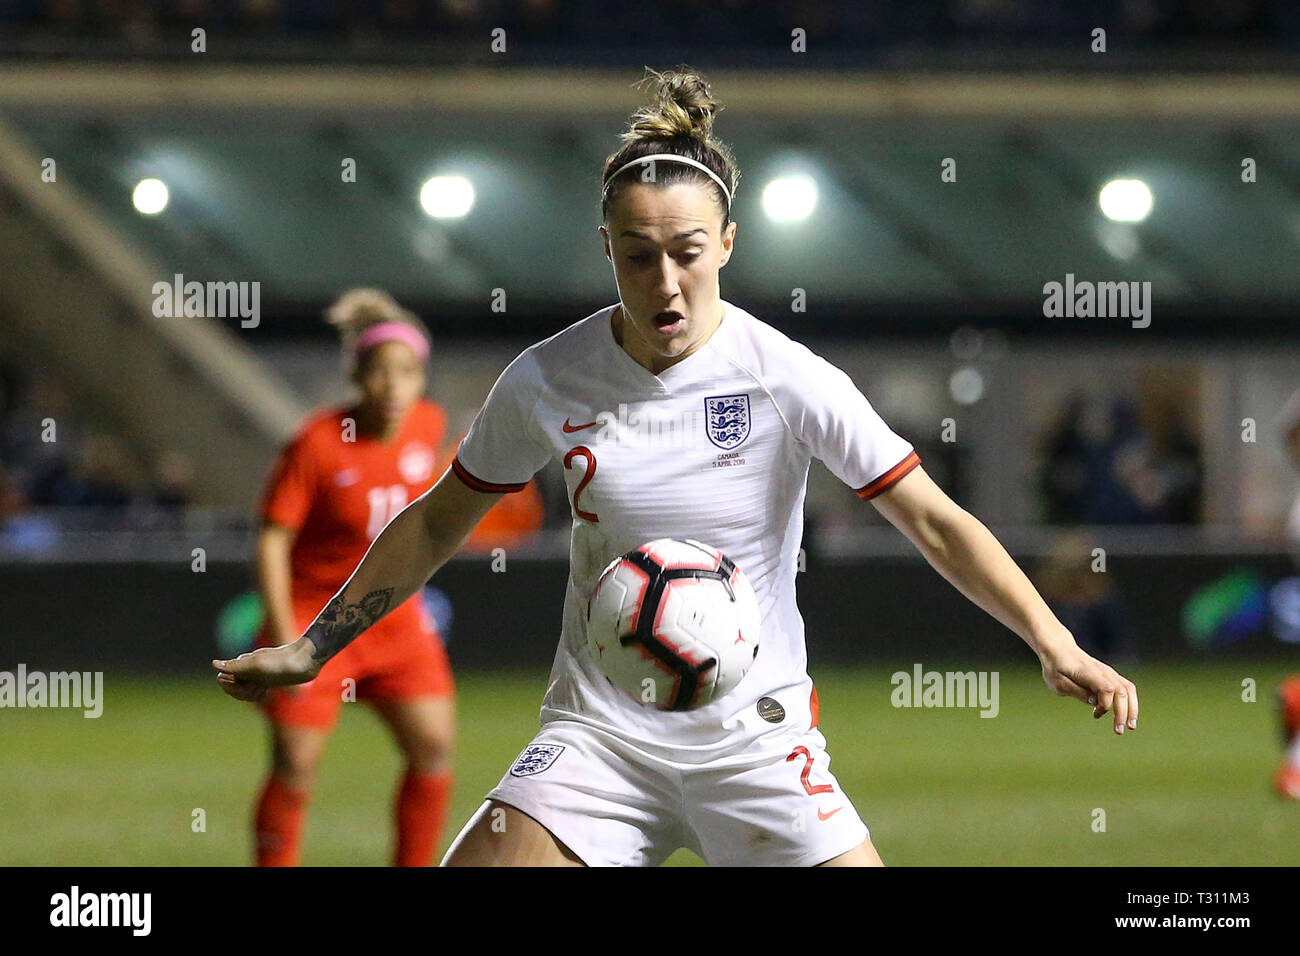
(248, 676)
(1071, 672)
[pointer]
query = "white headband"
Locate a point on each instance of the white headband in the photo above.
(674, 158)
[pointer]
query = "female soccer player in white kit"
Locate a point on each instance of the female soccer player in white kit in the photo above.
(629, 401)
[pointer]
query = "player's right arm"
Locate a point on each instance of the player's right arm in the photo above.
(412, 547)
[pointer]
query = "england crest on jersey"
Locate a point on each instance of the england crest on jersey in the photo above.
(535, 759)
(727, 419)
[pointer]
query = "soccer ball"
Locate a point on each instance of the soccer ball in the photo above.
(674, 624)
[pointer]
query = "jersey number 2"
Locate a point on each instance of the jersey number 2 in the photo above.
(582, 451)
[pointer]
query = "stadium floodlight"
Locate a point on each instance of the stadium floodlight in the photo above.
(966, 385)
(790, 198)
(1125, 200)
(150, 197)
(447, 197)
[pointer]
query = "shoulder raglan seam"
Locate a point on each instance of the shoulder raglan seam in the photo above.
(531, 417)
(538, 386)
(768, 392)
(798, 439)
(532, 412)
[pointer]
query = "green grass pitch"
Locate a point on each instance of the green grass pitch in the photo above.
(936, 787)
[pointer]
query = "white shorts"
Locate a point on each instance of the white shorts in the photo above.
(613, 805)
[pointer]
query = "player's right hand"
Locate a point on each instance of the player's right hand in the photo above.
(248, 676)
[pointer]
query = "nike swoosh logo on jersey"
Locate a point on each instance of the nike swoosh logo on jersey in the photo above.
(827, 816)
(576, 428)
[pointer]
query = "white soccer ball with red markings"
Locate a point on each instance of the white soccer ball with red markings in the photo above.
(673, 624)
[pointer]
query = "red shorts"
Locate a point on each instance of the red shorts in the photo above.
(399, 657)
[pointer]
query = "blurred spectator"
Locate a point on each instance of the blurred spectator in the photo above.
(1120, 488)
(1085, 601)
(1064, 475)
(101, 478)
(47, 461)
(41, 410)
(173, 479)
(12, 500)
(1130, 475)
(1142, 478)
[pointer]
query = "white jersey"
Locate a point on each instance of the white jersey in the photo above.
(716, 448)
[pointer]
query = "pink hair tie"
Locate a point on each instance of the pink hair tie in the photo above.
(391, 332)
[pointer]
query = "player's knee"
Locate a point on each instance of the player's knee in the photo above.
(296, 763)
(430, 752)
(296, 776)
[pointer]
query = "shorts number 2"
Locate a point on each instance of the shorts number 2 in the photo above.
(809, 788)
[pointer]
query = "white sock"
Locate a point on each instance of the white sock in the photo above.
(1293, 755)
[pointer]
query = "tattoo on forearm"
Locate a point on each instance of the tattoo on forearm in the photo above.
(340, 622)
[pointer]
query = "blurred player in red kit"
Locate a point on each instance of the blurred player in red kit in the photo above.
(1287, 779)
(347, 472)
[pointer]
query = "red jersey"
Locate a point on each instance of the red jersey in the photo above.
(338, 495)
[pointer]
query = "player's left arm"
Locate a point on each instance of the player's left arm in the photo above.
(965, 552)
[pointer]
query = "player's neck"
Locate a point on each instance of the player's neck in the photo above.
(652, 362)
(372, 425)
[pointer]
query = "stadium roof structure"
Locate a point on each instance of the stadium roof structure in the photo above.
(254, 170)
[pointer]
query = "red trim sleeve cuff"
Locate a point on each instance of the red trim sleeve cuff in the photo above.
(889, 478)
(478, 484)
